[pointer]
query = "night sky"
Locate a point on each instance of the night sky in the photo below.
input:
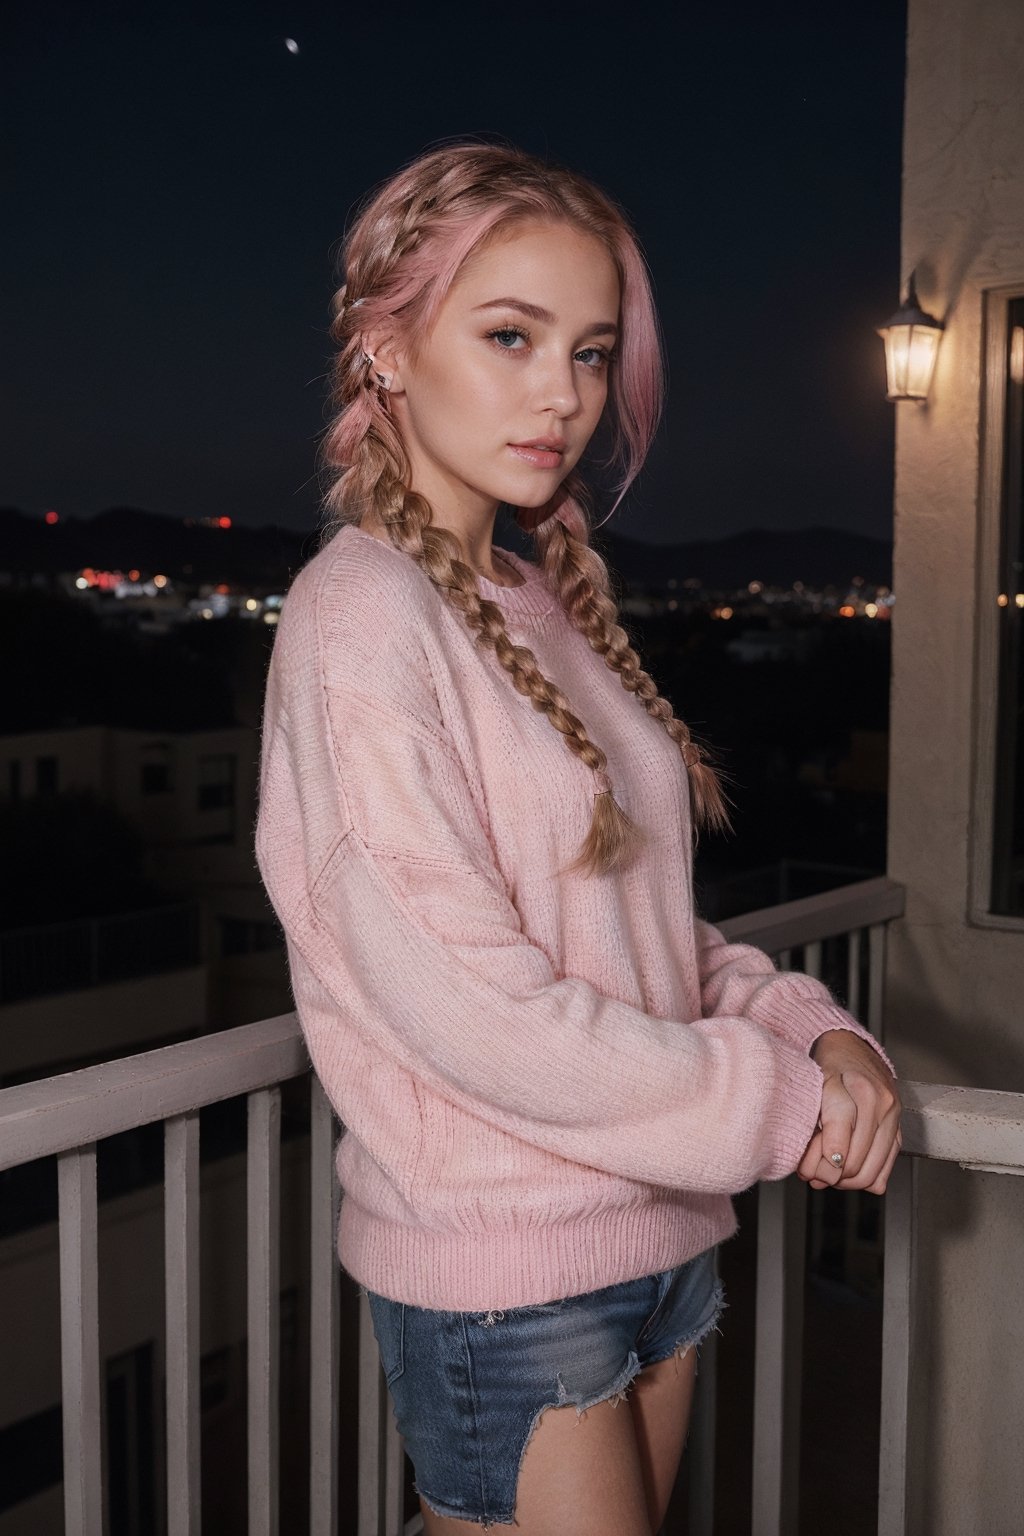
(181, 181)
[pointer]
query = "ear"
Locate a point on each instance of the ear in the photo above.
(385, 360)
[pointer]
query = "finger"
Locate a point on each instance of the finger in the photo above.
(808, 1163)
(884, 1150)
(884, 1121)
(872, 1111)
(878, 1154)
(814, 1169)
(838, 1119)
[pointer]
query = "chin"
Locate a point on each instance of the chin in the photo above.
(535, 493)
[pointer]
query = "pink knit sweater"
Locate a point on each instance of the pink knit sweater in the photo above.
(547, 1084)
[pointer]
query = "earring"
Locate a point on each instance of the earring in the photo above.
(382, 378)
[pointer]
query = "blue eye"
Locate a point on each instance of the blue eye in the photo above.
(505, 337)
(600, 356)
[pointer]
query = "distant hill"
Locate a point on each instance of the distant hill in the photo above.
(816, 556)
(125, 538)
(268, 557)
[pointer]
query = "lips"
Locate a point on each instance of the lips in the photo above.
(543, 452)
(552, 444)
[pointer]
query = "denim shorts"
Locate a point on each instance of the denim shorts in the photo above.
(469, 1387)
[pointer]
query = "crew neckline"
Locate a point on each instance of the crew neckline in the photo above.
(532, 599)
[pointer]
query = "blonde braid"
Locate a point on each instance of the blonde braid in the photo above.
(580, 577)
(613, 836)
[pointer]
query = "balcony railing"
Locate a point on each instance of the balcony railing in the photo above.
(840, 935)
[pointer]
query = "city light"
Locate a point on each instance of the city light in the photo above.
(871, 609)
(251, 604)
(847, 611)
(51, 518)
(159, 581)
(1002, 599)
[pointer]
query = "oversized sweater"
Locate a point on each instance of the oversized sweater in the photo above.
(547, 1083)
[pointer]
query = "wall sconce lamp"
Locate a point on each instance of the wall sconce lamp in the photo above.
(911, 346)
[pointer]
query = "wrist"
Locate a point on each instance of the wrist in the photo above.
(829, 1039)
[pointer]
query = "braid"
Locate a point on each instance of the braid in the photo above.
(438, 552)
(580, 577)
(401, 256)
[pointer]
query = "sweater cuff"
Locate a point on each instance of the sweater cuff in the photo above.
(800, 1093)
(809, 1017)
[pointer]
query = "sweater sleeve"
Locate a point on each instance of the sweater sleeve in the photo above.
(381, 871)
(741, 979)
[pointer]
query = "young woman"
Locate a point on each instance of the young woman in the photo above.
(476, 826)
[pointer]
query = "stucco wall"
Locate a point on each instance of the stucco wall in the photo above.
(955, 987)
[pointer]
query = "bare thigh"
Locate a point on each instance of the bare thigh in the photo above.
(581, 1476)
(661, 1398)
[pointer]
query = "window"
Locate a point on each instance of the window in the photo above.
(46, 775)
(155, 768)
(1007, 896)
(216, 782)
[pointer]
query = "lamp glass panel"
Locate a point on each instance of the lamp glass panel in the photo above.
(910, 352)
(897, 352)
(924, 346)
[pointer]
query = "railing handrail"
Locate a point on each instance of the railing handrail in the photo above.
(54, 1114)
(976, 1127)
(824, 916)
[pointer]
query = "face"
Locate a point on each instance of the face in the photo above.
(503, 395)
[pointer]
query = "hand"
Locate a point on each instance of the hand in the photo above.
(860, 1117)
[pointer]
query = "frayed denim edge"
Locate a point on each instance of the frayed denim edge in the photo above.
(615, 1393)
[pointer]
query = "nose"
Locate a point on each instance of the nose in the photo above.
(556, 387)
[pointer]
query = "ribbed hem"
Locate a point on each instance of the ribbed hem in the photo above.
(474, 1272)
(807, 1018)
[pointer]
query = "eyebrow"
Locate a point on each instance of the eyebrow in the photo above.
(534, 312)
